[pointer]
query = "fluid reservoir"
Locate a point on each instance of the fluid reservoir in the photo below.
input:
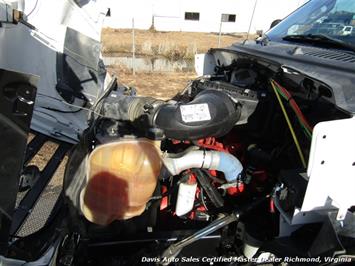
(121, 178)
(186, 198)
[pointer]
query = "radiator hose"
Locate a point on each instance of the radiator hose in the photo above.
(211, 113)
(211, 160)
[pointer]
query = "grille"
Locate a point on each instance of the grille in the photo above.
(332, 55)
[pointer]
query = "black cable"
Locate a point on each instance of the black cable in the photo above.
(211, 191)
(71, 105)
(109, 89)
(66, 112)
(33, 9)
(61, 111)
(203, 200)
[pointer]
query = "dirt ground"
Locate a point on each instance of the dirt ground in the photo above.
(162, 85)
(173, 45)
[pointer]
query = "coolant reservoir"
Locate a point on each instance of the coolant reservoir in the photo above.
(122, 176)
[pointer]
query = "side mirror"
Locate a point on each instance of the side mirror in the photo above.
(275, 22)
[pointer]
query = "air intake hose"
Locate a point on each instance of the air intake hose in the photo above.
(211, 160)
(210, 114)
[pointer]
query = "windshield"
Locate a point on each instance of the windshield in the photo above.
(334, 18)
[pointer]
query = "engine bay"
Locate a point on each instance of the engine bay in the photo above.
(218, 171)
(252, 162)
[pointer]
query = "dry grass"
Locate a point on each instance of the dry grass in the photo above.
(162, 85)
(173, 45)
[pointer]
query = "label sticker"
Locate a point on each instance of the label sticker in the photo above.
(195, 112)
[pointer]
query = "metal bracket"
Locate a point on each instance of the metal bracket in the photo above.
(17, 96)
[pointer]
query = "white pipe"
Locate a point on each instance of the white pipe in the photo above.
(211, 160)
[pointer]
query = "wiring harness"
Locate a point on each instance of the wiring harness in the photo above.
(281, 92)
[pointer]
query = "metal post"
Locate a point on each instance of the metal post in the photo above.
(252, 18)
(133, 48)
(219, 35)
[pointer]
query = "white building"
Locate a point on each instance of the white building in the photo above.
(198, 15)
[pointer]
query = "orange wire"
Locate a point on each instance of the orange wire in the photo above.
(295, 106)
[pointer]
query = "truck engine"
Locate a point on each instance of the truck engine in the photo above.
(251, 163)
(231, 147)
